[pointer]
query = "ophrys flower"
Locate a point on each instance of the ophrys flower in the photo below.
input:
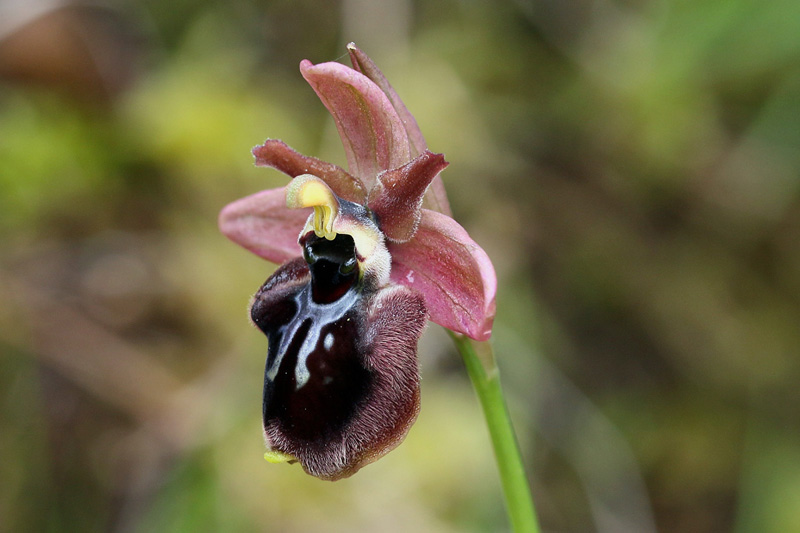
(377, 255)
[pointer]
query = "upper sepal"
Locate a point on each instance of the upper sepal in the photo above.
(436, 196)
(372, 133)
(452, 272)
(364, 64)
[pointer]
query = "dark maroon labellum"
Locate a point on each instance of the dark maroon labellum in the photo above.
(312, 381)
(341, 383)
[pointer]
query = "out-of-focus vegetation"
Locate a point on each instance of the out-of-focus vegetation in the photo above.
(633, 168)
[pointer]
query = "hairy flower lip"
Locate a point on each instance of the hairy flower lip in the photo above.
(341, 378)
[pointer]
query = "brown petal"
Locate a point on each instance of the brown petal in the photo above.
(278, 155)
(264, 225)
(396, 198)
(452, 272)
(436, 197)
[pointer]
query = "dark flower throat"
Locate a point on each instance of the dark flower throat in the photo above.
(333, 265)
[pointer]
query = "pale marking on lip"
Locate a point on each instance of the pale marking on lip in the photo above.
(321, 315)
(328, 342)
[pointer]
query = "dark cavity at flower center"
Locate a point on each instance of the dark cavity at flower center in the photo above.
(333, 266)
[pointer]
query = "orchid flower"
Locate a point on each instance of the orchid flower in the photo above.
(377, 255)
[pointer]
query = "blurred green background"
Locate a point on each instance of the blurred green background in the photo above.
(632, 167)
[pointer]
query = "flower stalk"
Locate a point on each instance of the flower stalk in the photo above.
(479, 359)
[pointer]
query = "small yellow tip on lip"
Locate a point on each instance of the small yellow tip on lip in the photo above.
(310, 191)
(275, 457)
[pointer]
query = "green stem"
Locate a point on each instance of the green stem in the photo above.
(485, 378)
